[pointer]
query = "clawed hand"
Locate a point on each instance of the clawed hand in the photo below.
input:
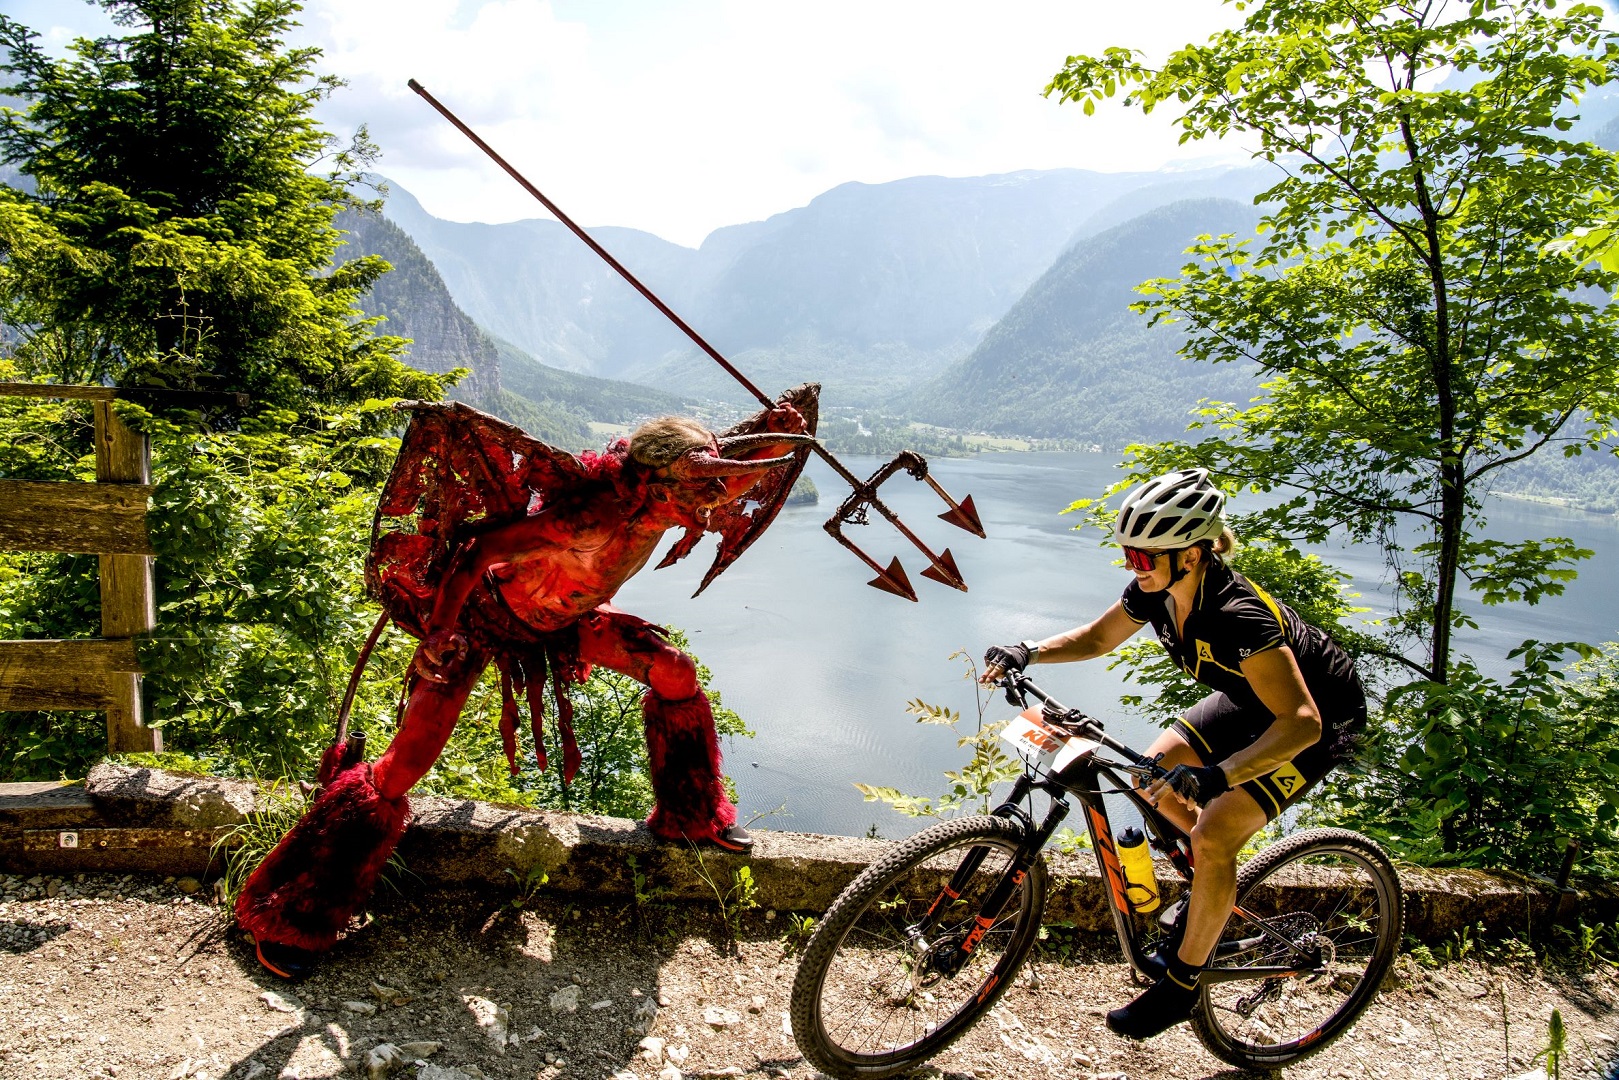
(437, 652)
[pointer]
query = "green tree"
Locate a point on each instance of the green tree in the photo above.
(1410, 301)
(1427, 302)
(178, 232)
(178, 195)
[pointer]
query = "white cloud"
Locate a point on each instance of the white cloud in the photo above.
(681, 117)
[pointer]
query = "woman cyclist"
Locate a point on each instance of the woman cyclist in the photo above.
(1284, 708)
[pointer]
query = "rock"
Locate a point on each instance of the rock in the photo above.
(663, 1000)
(383, 1059)
(188, 885)
(717, 1074)
(492, 1018)
(388, 995)
(440, 1072)
(625, 1074)
(716, 1017)
(646, 1011)
(677, 1054)
(605, 1003)
(182, 1070)
(363, 1008)
(255, 1069)
(283, 1003)
(756, 1004)
(566, 1000)
(414, 1050)
(651, 1048)
(669, 1072)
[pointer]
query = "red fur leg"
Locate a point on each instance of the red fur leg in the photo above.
(322, 872)
(684, 753)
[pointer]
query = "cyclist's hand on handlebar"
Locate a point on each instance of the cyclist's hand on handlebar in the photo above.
(1194, 785)
(999, 659)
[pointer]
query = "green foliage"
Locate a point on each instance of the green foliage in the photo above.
(244, 846)
(733, 899)
(529, 882)
(1556, 1051)
(800, 928)
(217, 274)
(613, 777)
(1414, 333)
(1489, 773)
(121, 268)
(971, 787)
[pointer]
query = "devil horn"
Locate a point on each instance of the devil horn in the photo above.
(703, 466)
(732, 445)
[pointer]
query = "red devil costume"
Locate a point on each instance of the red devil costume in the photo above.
(492, 547)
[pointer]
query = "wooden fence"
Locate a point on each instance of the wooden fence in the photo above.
(106, 519)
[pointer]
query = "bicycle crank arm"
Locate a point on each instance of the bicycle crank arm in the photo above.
(1253, 974)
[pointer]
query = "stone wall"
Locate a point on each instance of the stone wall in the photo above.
(122, 818)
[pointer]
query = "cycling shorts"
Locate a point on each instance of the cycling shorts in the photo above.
(1217, 727)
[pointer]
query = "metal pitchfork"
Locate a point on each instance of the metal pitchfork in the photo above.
(853, 511)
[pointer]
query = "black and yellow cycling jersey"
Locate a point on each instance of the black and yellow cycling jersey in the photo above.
(1232, 619)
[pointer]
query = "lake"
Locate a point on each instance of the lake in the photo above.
(821, 666)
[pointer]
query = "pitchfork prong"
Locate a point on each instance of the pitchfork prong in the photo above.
(963, 515)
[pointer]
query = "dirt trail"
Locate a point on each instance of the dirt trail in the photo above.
(128, 977)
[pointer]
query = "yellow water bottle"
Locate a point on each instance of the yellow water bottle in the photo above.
(1141, 884)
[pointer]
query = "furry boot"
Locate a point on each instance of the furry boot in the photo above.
(304, 893)
(683, 751)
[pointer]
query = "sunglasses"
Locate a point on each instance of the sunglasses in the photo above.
(1142, 559)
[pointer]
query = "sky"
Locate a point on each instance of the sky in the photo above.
(681, 116)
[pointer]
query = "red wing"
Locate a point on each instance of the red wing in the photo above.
(740, 522)
(458, 469)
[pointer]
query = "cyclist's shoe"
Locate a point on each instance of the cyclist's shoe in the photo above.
(287, 961)
(1160, 1007)
(734, 839)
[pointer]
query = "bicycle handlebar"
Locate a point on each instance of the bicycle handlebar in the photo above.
(1018, 683)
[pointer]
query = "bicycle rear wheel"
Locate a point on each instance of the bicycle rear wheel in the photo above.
(872, 998)
(1328, 894)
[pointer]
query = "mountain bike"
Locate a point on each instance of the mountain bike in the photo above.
(925, 941)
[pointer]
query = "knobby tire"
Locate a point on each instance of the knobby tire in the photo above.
(858, 1009)
(1356, 926)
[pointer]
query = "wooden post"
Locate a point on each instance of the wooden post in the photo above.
(128, 603)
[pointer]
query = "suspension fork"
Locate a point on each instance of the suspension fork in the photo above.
(1017, 870)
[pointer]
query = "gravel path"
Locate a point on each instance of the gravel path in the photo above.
(131, 977)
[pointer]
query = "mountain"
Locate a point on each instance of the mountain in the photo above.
(1071, 360)
(868, 288)
(553, 405)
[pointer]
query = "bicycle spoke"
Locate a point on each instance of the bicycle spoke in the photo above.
(887, 994)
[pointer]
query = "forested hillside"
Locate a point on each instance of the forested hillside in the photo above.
(1071, 360)
(553, 405)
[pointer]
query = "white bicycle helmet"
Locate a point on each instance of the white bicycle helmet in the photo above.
(1175, 510)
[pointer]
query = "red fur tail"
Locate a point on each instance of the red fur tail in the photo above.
(684, 753)
(306, 891)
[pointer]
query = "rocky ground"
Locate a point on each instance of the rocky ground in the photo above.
(133, 977)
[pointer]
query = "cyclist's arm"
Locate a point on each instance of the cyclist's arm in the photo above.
(1101, 635)
(1274, 675)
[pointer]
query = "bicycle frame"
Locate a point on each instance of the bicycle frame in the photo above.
(1082, 780)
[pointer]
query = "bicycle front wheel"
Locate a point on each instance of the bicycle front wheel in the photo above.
(873, 995)
(1324, 901)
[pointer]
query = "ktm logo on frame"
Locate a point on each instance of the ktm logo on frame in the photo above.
(1287, 780)
(1205, 652)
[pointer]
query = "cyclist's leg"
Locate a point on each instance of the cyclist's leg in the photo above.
(1223, 827)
